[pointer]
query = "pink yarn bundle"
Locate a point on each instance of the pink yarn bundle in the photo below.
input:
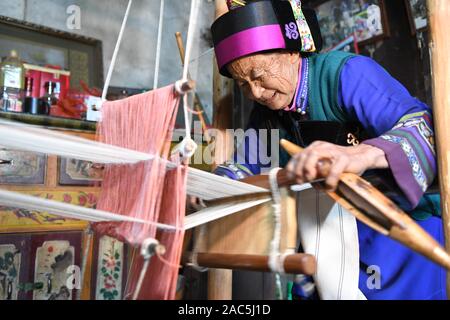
(146, 190)
(160, 281)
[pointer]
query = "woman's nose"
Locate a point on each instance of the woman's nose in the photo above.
(256, 90)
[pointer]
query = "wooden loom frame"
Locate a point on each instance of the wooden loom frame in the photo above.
(439, 15)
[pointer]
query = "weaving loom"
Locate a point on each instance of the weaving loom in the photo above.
(129, 159)
(139, 164)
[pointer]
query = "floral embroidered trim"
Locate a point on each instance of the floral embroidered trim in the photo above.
(305, 33)
(413, 160)
(239, 171)
(423, 127)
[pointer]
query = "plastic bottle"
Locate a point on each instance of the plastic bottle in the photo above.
(12, 82)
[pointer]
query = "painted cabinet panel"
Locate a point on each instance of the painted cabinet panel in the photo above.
(110, 269)
(53, 256)
(25, 168)
(14, 262)
(39, 266)
(10, 257)
(53, 259)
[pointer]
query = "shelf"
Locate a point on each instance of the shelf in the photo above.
(53, 122)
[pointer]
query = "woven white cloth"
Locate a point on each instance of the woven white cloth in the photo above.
(330, 233)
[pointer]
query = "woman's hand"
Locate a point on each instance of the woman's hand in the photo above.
(303, 167)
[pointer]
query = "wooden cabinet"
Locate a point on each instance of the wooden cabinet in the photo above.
(36, 248)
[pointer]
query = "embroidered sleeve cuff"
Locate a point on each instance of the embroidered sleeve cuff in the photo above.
(233, 171)
(400, 165)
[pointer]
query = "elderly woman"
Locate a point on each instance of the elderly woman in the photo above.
(269, 49)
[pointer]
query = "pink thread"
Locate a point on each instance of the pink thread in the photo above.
(145, 190)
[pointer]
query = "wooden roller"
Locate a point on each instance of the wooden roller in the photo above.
(371, 207)
(293, 264)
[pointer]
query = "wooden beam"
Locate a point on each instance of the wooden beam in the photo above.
(293, 264)
(439, 17)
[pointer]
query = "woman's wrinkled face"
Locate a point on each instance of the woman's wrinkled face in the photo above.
(268, 78)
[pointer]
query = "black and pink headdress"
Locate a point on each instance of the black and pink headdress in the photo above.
(263, 25)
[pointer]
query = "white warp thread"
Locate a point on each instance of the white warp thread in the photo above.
(274, 261)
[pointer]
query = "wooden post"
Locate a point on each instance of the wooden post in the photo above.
(220, 282)
(439, 17)
(222, 118)
(222, 102)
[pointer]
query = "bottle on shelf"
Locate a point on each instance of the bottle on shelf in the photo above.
(12, 83)
(29, 87)
(31, 104)
(57, 91)
(49, 99)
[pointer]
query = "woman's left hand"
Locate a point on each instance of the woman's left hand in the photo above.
(304, 165)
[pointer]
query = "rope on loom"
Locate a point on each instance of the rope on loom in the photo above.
(158, 45)
(274, 261)
(116, 51)
(195, 5)
(188, 146)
